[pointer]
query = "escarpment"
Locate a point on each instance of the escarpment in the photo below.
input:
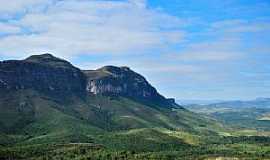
(48, 74)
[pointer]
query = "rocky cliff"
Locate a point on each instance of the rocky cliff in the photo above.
(49, 74)
(111, 80)
(44, 73)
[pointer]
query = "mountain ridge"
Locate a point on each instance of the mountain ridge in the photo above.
(58, 75)
(258, 102)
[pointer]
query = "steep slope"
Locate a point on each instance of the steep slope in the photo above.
(47, 99)
(44, 73)
(122, 81)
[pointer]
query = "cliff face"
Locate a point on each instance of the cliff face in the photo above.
(111, 80)
(43, 73)
(48, 74)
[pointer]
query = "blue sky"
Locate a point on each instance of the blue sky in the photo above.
(188, 49)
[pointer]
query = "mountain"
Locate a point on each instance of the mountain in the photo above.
(48, 74)
(122, 81)
(197, 101)
(44, 95)
(258, 102)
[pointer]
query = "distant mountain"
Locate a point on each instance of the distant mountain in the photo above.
(253, 114)
(258, 103)
(197, 101)
(47, 99)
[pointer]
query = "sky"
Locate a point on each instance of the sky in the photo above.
(187, 49)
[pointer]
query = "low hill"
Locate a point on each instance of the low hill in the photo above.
(253, 114)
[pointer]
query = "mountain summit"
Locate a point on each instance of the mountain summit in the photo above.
(111, 80)
(48, 59)
(44, 73)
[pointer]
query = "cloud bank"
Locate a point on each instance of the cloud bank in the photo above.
(71, 27)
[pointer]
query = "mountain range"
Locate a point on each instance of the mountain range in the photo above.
(257, 103)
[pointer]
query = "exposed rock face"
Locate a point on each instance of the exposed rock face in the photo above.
(111, 80)
(43, 73)
(48, 74)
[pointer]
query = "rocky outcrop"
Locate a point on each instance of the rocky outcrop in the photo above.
(111, 80)
(44, 73)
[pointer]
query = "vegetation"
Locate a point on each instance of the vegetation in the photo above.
(110, 128)
(123, 147)
(240, 118)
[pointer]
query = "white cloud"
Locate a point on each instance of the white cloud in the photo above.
(220, 50)
(9, 29)
(241, 26)
(10, 8)
(178, 69)
(72, 27)
(207, 56)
